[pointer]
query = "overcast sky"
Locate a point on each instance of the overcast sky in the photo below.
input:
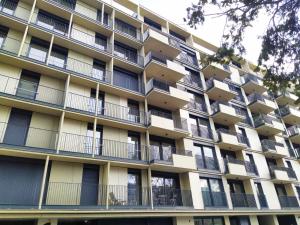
(175, 10)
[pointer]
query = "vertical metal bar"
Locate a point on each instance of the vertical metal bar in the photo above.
(23, 41)
(70, 25)
(50, 49)
(32, 11)
(43, 182)
(61, 122)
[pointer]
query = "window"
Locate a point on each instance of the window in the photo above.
(3, 34)
(162, 148)
(88, 144)
(200, 127)
(290, 148)
(178, 36)
(38, 49)
(101, 41)
(188, 56)
(197, 102)
(125, 52)
(134, 146)
(125, 28)
(105, 17)
(126, 79)
(58, 56)
(209, 221)
(243, 112)
(250, 164)
(238, 90)
(28, 84)
(99, 70)
(151, 23)
(52, 22)
(8, 7)
(133, 111)
(213, 192)
(206, 157)
(239, 220)
(68, 3)
(261, 196)
(192, 78)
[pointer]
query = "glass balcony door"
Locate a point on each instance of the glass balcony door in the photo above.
(134, 146)
(134, 187)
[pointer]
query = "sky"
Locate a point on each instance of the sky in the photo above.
(212, 30)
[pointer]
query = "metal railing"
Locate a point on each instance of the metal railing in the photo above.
(81, 144)
(179, 123)
(258, 97)
(91, 40)
(288, 201)
(128, 31)
(32, 137)
(208, 163)
(69, 4)
(171, 197)
(268, 145)
(121, 113)
(294, 130)
(19, 88)
(241, 138)
(156, 57)
(134, 58)
(200, 106)
(161, 154)
(47, 22)
(192, 80)
(262, 201)
(262, 119)
(290, 172)
(159, 84)
(251, 78)
(242, 200)
(13, 9)
(81, 103)
(187, 59)
(250, 167)
(214, 199)
(201, 131)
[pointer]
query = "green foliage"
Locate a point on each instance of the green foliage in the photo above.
(280, 53)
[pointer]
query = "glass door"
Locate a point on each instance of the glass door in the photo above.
(134, 187)
(133, 146)
(28, 85)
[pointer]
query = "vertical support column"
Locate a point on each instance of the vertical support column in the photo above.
(150, 187)
(23, 41)
(61, 122)
(102, 13)
(32, 11)
(106, 183)
(70, 25)
(50, 49)
(94, 136)
(97, 99)
(43, 182)
(67, 85)
(227, 192)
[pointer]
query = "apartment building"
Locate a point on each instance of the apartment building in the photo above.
(108, 116)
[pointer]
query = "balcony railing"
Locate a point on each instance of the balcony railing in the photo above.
(200, 131)
(9, 9)
(81, 103)
(128, 31)
(240, 137)
(156, 57)
(192, 80)
(161, 154)
(288, 201)
(268, 144)
(262, 119)
(69, 4)
(215, 107)
(294, 130)
(290, 172)
(252, 78)
(30, 91)
(171, 197)
(34, 137)
(242, 200)
(214, 199)
(208, 163)
(162, 85)
(135, 58)
(250, 167)
(190, 60)
(86, 145)
(199, 106)
(258, 97)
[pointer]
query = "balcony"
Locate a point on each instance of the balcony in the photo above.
(273, 149)
(193, 81)
(171, 197)
(267, 125)
(201, 132)
(162, 158)
(31, 92)
(214, 199)
(294, 133)
(35, 139)
(166, 125)
(155, 40)
(135, 59)
(242, 200)
(288, 201)
(239, 169)
(197, 106)
(290, 114)
(224, 113)
(165, 95)
(286, 98)
(282, 175)
(231, 140)
(81, 145)
(188, 59)
(160, 66)
(217, 71)
(252, 83)
(218, 90)
(261, 103)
